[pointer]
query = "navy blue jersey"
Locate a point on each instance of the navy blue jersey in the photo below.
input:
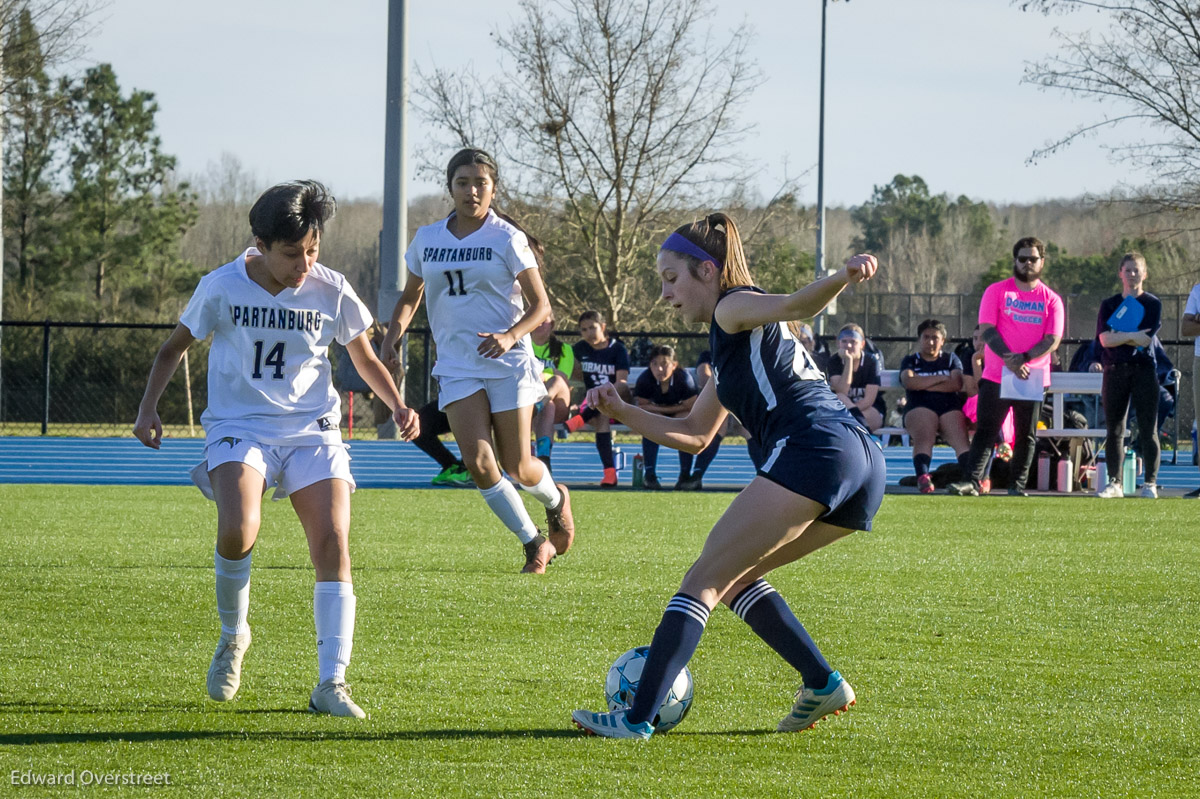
(768, 380)
(679, 388)
(601, 366)
(941, 366)
(1127, 353)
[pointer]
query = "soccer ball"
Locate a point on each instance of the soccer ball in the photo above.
(622, 683)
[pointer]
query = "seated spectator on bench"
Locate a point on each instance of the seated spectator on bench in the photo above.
(558, 361)
(932, 379)
(970, 355)
(599, 359)
(666, 389)
(854, 377)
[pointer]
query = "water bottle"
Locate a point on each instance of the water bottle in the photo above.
(1043, 472)
(1101, 472)
(619, 459)
(639, 471)
(1128, 477)
(1066, 480)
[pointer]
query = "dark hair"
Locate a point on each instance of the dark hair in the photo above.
(290, 211)
(663, 349)
(718, 236)
(469, 156)
(1136, 257)
(591, 316)
(1032, 243)
(554, 345)
(932, 324)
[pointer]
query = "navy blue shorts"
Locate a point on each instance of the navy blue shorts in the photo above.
(834, 463)
(939, 405)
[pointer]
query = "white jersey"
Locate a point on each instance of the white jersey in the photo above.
(268, 368)
(470, 288)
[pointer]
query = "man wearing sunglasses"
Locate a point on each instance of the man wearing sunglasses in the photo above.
(1021, 323)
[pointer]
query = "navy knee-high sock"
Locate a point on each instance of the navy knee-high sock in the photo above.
(674, 643)
(706, 455)
(761, 606)
(650, 455)
(686, 459)
(604, 447)
(921, 464)
(964, 463)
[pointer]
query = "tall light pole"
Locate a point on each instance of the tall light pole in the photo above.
(832, 307)
(395, 140)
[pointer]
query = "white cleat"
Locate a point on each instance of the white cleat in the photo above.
(1113, 490)
(225, 673)
(334, 699)
(811, 706)
(611, 725)
(1149, 491)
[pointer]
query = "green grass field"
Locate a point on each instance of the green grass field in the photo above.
(999, 647)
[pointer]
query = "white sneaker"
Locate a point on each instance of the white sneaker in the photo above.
(1111, 491)
(225, 672)
(811, 706)
(1149, 491)
(334, 698)
(611, 725)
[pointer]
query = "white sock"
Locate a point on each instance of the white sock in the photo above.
(333, 611)
(233, 593)
(506, 503)
(545, 491)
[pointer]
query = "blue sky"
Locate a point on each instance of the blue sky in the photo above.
(295, 88)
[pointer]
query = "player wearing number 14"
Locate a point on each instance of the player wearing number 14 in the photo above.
(273, 421)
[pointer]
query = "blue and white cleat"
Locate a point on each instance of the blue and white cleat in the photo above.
(811, 706)
(611, 725)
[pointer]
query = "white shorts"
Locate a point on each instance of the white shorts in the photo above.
(285, 468)
(519, 390)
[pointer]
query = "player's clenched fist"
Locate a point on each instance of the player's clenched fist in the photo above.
(407, 423)
(605, 399)
(861, 267)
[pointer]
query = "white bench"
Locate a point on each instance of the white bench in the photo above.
(1061, 384)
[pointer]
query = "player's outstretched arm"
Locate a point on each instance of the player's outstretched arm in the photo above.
(372, 370)
(691, 433)
(747, 310)
(148, 427)
(402, 316)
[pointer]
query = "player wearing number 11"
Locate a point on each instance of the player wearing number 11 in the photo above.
(473, 267)
(273, 420)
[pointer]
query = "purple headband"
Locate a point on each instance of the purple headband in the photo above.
(677, 243)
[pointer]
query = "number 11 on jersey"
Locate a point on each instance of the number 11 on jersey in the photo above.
(450, 279)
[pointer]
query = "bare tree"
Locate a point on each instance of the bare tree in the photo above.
(1144, 67)
(617, 115)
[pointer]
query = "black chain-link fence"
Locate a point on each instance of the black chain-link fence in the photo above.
(79, 379)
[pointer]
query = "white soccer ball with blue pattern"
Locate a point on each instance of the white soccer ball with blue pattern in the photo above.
(622, 683)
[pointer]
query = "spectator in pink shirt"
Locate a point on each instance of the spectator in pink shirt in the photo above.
(1021, 324)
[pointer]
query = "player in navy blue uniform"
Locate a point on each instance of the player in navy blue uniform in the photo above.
(932, 379)
(600, 360)
(822, 478)
(665, 389)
